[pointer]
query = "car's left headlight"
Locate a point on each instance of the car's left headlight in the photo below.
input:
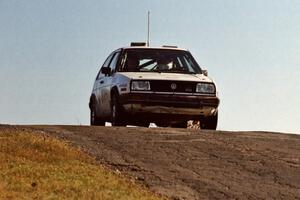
(140, 85)
(207, 88)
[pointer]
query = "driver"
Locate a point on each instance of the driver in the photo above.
(164, 64)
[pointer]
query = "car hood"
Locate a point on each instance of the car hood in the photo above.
(166, 76)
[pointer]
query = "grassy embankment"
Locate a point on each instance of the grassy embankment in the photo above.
(42, 167)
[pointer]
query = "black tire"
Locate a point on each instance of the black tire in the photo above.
(94, 120)
(117, 116)
(162, 124)
(210, 122)
(179, 125)
(141, 124)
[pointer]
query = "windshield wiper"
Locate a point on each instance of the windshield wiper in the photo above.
(173, 71)
(181, 71)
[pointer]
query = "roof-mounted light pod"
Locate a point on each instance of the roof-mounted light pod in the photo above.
(138, 44)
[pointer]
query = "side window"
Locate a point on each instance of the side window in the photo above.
(114, 62)
(105, 64)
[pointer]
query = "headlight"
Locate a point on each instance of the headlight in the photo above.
(140, 85)
(208, 88)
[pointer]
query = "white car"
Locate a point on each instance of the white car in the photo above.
(137, 85)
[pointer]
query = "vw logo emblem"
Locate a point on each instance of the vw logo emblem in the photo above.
(173, 86)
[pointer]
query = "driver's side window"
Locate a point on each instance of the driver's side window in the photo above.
(114, 62)
(105, 64)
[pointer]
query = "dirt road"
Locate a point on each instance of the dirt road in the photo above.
(191, 164)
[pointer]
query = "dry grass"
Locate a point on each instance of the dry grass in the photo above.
(33, 166)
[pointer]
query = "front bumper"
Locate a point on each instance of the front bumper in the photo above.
(174, 104)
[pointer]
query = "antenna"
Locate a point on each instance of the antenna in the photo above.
(148, 34)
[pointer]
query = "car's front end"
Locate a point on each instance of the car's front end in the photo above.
(166, 98)
(165, 84)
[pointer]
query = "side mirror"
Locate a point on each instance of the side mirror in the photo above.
(105, 70)
(205, 72)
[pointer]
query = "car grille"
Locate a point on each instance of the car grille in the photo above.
(173, 86)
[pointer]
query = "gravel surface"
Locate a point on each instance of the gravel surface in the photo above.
(194, 164)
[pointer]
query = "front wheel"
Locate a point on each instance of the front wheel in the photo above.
(117, 118)
(210, 122)
(94, 120)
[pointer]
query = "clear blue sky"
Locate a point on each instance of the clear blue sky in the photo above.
(51, 50)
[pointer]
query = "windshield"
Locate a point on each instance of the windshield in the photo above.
(158, 60)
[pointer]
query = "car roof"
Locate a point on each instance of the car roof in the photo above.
(158, 48)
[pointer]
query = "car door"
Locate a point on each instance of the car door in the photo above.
(99, 84)
(108, 83)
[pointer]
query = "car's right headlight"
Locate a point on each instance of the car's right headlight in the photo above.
(206, 88)
(140, 85)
